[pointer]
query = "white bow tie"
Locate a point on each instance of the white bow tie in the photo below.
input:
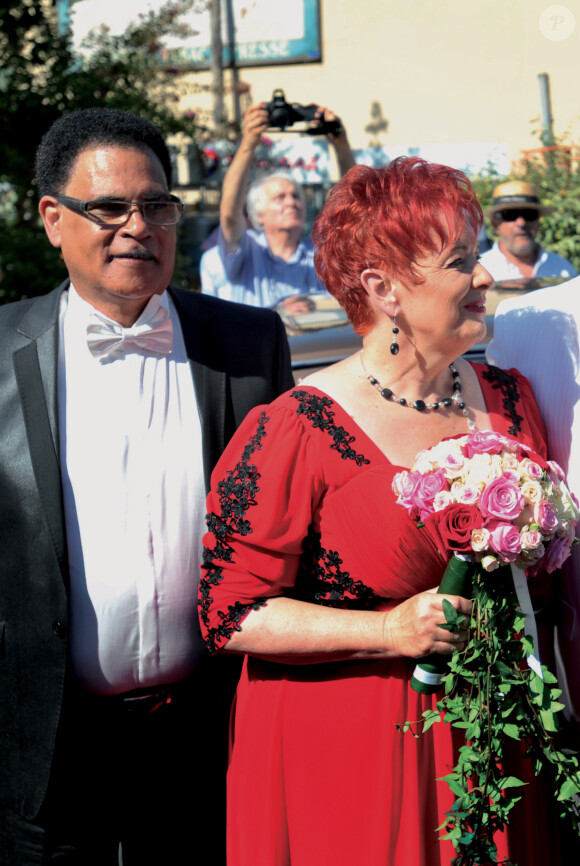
(105, 337)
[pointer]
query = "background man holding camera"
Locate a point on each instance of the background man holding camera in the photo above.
(263, 268)
(515, 215)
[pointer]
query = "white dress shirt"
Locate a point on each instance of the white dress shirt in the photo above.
(547, 265)
(538, 333)
(134, 501)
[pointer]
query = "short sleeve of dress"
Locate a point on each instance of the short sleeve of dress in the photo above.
(264, 489)
(512, 406)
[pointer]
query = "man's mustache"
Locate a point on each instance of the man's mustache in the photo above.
(135, 253)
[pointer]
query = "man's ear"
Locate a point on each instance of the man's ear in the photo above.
(380, 289)
(51, 213)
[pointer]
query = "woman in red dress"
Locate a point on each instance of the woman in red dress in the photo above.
(307, 568)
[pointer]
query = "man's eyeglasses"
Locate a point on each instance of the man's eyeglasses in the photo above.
(163, 212)
(529, 214)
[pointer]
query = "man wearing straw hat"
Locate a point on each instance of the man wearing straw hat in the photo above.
(515, 215)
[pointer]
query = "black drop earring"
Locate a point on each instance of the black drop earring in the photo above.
(394, 344)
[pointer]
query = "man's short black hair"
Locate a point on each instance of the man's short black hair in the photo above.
(88, 128)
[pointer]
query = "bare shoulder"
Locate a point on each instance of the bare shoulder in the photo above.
(335, 380)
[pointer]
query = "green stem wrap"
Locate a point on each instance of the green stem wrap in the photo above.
(456, 580)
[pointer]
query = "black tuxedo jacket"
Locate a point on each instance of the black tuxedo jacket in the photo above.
(239, 359)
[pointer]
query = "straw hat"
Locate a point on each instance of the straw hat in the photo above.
(515, 195)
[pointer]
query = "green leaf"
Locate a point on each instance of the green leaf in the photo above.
(549, 721)
(430, 716)
(510, 782)
(568, 790)
(512, 731)
(453, 620)
(528, 645)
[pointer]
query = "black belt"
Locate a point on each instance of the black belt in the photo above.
(146, 703)
(141, 702)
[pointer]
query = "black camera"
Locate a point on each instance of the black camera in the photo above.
(282, 114)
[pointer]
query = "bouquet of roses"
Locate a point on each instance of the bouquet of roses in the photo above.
(492, 506)
(488, 501)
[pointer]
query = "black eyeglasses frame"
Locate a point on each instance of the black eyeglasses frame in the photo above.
(82, 207)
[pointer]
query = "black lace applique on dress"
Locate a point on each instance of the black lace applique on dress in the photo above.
(511, 396)
(317, 410)
(320, 579)
(237, 492)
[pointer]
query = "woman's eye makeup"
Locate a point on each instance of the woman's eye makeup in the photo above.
(463, 261)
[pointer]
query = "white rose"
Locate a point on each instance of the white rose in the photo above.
(566, 507)
(479, 540)
(532, 492)
(483, 468)
(490, 563)
(423, 462)
(442, 500)
(510, 461)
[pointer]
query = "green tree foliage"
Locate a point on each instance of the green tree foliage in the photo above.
(556, 172)
(41, 76)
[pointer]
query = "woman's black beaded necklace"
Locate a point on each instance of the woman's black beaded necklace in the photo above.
(454, 398)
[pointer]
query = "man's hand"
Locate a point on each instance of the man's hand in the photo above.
(325, 115)
(297, 305)
(339, 140)
(255, 125)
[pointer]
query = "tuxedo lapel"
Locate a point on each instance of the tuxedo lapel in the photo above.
(35, 365)
(210, 382)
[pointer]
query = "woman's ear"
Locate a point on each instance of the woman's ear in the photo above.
(51, 212)
(380, 289)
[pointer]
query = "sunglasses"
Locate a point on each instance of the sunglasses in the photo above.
(529, 214)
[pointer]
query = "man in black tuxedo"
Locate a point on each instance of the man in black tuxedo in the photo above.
(117, 395)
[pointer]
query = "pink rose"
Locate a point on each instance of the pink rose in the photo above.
(429, 486)
(405, 485)
(502, 499)
(484, 442)
(431, 483)
(504, 539)
(557, 552)
(556, 470)
(531, 539)
(466, 494)
(532, 471)
(453, 463)
(546, 516)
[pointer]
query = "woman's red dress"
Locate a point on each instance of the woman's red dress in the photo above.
(302, 504)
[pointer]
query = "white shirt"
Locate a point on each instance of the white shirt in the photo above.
(131, 464)
(213, 276)
(547, 265)
(538, 333)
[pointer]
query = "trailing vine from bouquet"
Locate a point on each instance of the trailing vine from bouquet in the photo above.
(493, 696)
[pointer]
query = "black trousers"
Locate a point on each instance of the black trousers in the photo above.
(152, 783)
